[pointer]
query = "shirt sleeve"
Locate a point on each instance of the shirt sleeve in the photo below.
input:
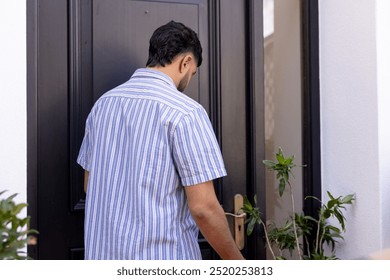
(84, 157)
(196, 152)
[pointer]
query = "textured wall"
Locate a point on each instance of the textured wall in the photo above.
(352, 118)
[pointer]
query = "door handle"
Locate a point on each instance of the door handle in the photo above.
(239, 221)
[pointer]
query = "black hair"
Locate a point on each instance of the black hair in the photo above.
(170, 40)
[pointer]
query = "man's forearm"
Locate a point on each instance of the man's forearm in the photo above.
(86, 176)
(214, 227)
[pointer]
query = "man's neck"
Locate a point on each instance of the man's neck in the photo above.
(169, 71)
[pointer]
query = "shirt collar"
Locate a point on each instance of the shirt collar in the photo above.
(154, 74)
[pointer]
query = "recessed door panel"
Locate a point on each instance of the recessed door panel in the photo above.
(121, 32)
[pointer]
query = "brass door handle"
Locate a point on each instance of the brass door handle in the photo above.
(239, 221)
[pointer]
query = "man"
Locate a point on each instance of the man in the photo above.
(150, 155)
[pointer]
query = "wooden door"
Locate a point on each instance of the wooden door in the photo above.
(79, 49)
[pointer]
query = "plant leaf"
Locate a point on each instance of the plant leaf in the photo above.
(251, 226)
(348, 199)
(269, 163)
(282, 187)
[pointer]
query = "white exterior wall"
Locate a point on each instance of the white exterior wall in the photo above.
(13, 122)
(383, 51)
(354, 86)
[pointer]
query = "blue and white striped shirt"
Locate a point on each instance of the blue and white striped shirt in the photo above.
(144, 140)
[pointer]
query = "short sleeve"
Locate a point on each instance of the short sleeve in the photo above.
(196, 152)
(84, 157)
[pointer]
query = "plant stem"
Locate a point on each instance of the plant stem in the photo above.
(308, 247)
(293, 220)
(321, 249)
(266, 237)
(318, 233)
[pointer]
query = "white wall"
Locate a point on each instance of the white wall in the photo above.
(13, 152)
(353, 120)
(383, 68)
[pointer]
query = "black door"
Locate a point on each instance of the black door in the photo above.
(78, 49)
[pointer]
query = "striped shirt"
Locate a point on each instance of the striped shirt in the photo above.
(144, 140)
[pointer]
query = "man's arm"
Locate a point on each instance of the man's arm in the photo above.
(211, 220)
(86, 175)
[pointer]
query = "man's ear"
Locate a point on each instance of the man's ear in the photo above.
(186, 63)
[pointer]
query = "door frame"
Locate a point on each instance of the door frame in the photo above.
(311, 106)
(32, 117)
(256, 122)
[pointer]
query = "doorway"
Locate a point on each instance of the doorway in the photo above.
(78, 49)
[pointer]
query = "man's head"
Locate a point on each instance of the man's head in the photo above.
(176, 50)
(170, 40)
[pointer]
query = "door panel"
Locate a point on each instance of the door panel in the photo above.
(86, 47)
(120, 45)
(233, 99)
(61, 229)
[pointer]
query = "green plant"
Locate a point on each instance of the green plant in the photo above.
(299, 229)
(14, 232)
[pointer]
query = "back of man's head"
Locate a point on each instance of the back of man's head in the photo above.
(170, 40)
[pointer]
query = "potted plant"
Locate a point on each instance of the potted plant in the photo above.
(299, 229)
(14, 230)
